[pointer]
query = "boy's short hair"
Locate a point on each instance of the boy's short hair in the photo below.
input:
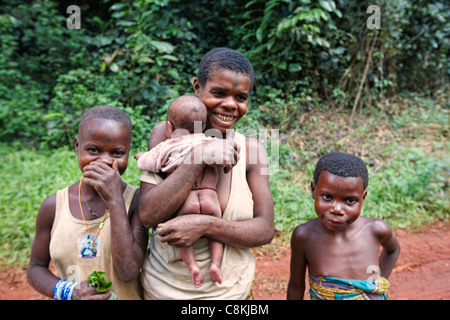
(224, 58)
(108, 113)
(342, 165)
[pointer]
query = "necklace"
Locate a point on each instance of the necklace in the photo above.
(100, 227)
(89, 208)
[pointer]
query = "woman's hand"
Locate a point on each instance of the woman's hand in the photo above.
(184, 230)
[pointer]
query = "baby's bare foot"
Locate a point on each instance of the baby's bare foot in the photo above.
(215, 273)
(197, 277)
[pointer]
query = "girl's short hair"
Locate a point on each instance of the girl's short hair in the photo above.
(105, 112)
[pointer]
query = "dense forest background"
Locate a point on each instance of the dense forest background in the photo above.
(139, 55)
(325, 78)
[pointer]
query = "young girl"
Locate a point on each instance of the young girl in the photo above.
(94, 223)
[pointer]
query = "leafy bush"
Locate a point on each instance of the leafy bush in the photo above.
(307, 54)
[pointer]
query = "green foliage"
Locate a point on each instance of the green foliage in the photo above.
(309, 58)
(307, 54)
(28, 177)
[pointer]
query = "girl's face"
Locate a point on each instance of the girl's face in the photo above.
(103, 140)
(338, 200)
(226, 97)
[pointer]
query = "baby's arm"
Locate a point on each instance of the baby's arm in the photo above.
(390, 246)
(296, 286)
(148, 161)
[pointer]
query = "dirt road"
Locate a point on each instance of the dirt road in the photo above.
(422, 271)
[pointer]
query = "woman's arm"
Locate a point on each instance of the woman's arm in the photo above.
(183, 231)
(159, 203)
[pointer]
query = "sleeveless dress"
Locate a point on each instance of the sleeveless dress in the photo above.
(166, 276)
(71, 247)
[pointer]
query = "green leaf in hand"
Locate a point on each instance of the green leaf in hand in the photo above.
(97, 279)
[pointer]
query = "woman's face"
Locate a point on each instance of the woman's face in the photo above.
(226, 97)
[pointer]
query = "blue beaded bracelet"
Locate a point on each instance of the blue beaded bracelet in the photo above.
(63, 290)
(58, 289)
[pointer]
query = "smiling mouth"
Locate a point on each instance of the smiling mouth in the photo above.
(224, 118)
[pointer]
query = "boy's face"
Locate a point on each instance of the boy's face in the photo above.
(103, 140)
(338, 200)
(226, 97)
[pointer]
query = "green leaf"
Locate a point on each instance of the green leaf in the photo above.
(294, 67)
(162, 46)
(97, 280)
(52, 115)
(328, 5)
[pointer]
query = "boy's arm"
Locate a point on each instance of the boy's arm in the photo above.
(390, 245)
(296, 285)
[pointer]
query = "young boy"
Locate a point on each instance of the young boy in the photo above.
(94, 223)
(182, 115)
(340, 248)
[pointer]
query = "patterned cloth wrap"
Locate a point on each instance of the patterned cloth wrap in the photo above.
(329, 288)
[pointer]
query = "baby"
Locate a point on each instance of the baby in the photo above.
(183, 114)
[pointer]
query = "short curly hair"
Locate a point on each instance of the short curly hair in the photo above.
(224, 58)
(342, 165)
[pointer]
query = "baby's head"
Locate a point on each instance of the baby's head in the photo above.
(342, 165)
(186, 113)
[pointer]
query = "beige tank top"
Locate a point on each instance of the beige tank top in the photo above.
(71, 247)
(164, 274)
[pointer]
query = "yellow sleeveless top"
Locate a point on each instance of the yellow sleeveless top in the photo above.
(73, 255)
(166, 276)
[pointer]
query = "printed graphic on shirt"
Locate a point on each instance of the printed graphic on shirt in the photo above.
(87, 247)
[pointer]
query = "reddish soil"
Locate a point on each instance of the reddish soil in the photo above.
(422, 271)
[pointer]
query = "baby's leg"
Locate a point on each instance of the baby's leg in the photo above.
(216, 249)
(189, 258)
(209, 203)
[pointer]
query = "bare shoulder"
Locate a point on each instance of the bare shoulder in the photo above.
(254, 144)
(378, 228)
(303, 232)
(46, 213)
(157, 135)
(256, 153)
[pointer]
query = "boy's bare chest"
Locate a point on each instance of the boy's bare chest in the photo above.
(347, 258)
